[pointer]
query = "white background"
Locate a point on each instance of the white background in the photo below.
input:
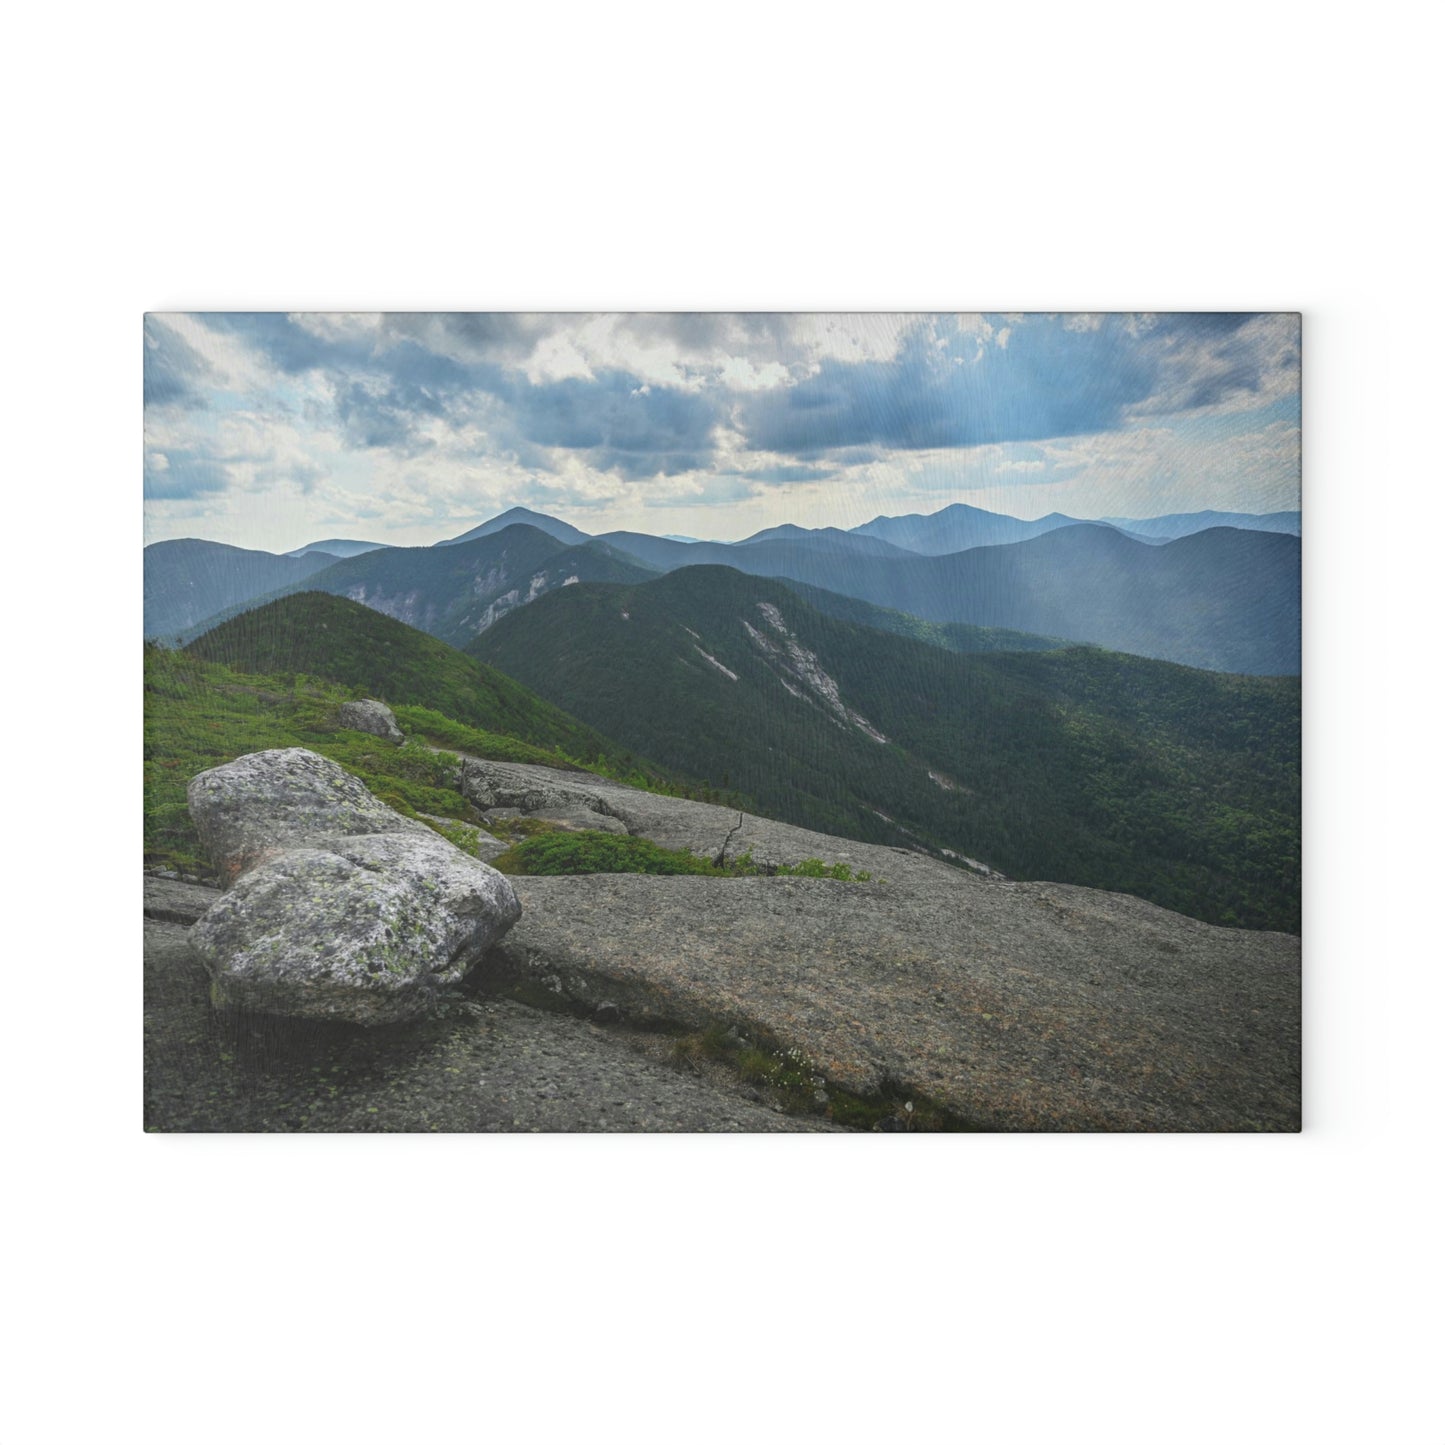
(1008, 1291)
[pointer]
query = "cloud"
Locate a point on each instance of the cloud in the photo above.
(954, 390)
(176, 476)
(974, 384)
(286, 344)
(174, 373)
(390, 408)
(424, 418)
(1217, 360)
(638, 431)
(782, 474)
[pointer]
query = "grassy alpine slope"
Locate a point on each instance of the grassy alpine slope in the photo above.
(374, 655)
(200, 714)
(1078, 765)
(275, 678)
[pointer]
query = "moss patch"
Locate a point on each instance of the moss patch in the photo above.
(545, 850)
(787, 1077)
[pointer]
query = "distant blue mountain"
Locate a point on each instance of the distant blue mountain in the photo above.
(562, 531)
(189, 579)
(337, 547)
(833, 537)
(1185, 524)
(957, 528)
(1219, 597)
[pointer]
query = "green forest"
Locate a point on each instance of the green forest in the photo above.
(1076, 765)
(1072, 764)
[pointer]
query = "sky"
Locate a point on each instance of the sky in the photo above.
(271, 430)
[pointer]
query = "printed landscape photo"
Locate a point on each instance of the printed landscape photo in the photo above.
(722, 722)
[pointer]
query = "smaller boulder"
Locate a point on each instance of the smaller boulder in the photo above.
(370, 716)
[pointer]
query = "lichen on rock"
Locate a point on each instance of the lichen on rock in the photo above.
(339, 907)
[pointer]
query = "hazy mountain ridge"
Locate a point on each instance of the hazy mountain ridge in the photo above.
(958, 527)
(1229, 602)
(1225, 599)
(952, 636)
(190, 579)
(834, 537)
(337, 547)
(454, 592)
(524, 516)
(1183, 524)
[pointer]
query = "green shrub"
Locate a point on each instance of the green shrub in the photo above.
(509, 830)
(459, 835)
(557, 851)
(554, 853)
(816, 868)
(425, 722)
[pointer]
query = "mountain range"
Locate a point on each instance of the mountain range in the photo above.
(1225, 598)
(959, 527)
(456, 591)
(336, 547)
(1182, 524)
(1172, 783)
(514, 516)
(1077, 765)
(189, 580)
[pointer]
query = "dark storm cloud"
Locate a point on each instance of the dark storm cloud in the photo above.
(1034, 379)
(1223, 362)
(490, 335)
(375, 419)
(398, 343)
(386, 411)
(288, 346)
(388, 383)
(957, 392)
(640, 466)
(712, 331)
(627, 427)
(402, 382)
(175, 373)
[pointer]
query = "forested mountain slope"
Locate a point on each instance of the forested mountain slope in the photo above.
(1177, 785)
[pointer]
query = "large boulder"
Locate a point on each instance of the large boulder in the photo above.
(370, 716)
(339, 907)
(266, 803)
(364, 929)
